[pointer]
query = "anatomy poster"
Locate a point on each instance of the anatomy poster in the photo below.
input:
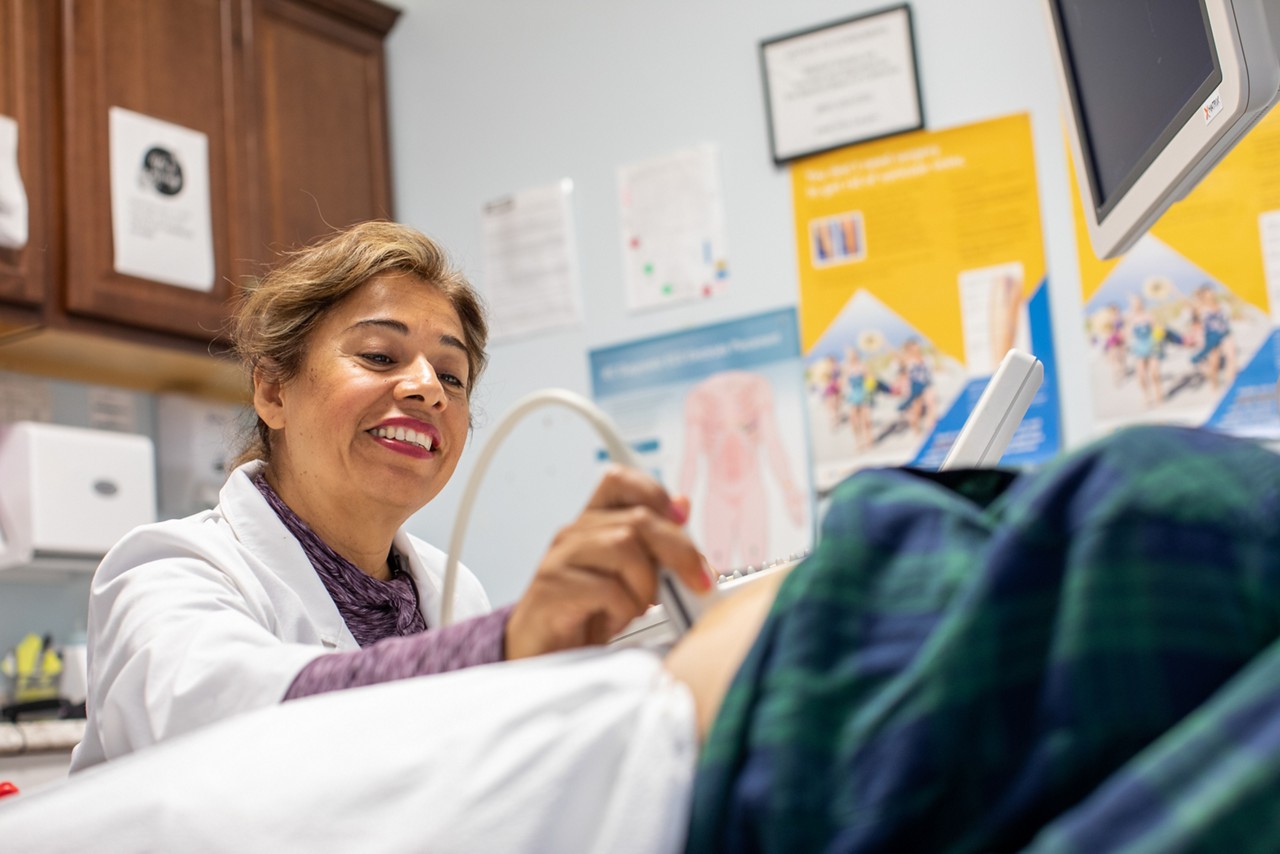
(1182, 328)
(717, 414)
(921, 264)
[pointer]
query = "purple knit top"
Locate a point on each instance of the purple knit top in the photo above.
(385, 619)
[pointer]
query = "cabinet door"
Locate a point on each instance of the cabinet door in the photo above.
(29, 95)
(319, 87)
(173, 60)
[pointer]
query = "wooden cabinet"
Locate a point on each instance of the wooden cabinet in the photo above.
(319, 100)
(290, 94)
(174, 60)
(29, 95)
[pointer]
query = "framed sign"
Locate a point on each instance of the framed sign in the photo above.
(842, 83)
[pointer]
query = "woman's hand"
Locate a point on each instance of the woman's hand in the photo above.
(601, 571)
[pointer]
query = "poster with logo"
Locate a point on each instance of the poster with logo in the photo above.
(717, 414)
(161, 224)
(1182, 328)
(921, 264)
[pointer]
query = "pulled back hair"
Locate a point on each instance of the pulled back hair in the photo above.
(276, 315)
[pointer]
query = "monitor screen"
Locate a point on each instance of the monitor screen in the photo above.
(1137, 72)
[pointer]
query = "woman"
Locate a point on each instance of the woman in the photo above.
(1216, 358)
(1110, 328)
(920, 405)
(363, 352)
(1147, 348)
(859, 393)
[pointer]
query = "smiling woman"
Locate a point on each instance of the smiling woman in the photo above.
(375, 421)
(363, 352)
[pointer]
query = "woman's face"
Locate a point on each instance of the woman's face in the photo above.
(379, 409)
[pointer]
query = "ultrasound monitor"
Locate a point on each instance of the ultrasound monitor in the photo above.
(1157, 92)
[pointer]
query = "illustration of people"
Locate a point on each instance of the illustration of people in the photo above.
(1146, 345)
(1216, 359)
(836, 239)
(849, 227)
(1192, 328)
(920, 407)
(822, 248)
(827, 383)
(729, 421)
(859, 386)
(1111, 332)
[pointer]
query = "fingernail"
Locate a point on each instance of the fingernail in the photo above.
(678, 509)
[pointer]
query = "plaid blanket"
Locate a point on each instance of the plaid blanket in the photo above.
(1083, 659)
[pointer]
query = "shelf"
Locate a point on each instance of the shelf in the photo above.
(86, 357)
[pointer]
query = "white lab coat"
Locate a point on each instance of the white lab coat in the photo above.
(194, 620)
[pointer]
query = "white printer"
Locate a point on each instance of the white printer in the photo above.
(68, 493)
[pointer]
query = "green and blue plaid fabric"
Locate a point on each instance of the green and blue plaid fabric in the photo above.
(1083, 659)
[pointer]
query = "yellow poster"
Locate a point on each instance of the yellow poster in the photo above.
(1181, 328)
(921, 263)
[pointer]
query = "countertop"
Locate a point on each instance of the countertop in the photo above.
(36, 736)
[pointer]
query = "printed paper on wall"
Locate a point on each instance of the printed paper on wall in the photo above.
(716, 413)
(1183, 328)
(161, 223)
(921, 263)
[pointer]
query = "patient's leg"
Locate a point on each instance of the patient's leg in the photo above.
(707, 658)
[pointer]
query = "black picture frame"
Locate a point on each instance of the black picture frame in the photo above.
(841, 83)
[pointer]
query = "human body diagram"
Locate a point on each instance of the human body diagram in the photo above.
(730, 425)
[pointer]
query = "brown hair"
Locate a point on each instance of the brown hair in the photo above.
(276, 315)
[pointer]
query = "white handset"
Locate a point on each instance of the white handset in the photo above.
(989, 428)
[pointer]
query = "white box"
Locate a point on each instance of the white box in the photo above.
(194, 446)
(68, 493)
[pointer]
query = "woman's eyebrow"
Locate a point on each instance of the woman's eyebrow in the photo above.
(394, 325)
(450, 341)
(403, 328)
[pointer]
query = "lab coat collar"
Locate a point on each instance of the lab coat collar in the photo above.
(257, 527)
(430, 584)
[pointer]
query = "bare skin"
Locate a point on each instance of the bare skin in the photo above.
(707, 658)
(1005, 311)
(601, 571)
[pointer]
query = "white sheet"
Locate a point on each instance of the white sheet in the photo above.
(589, 751)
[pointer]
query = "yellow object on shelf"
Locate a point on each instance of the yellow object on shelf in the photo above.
(36, 669)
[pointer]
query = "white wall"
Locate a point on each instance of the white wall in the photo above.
(494, 96)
